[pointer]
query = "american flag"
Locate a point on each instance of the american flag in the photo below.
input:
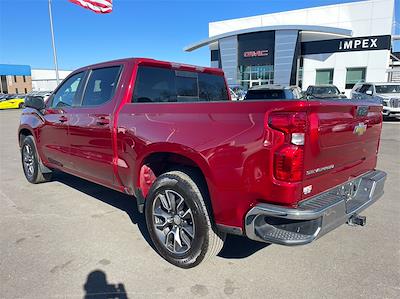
(98, 6)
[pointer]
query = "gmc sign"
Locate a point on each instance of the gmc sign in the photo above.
(259, 53)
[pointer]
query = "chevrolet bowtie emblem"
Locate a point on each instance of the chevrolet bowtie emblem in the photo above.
(360, 129)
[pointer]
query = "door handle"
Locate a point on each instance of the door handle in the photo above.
(102, 120)
(62, 119)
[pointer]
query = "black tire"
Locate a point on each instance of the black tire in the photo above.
(387, 118)
(31, 162)
(206, 241)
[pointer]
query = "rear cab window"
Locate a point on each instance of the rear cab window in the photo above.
(162, 85)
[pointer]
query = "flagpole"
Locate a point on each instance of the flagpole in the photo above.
(53, 43)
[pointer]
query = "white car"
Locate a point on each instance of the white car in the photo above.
(388, 94)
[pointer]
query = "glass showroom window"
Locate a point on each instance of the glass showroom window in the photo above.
(324, 76)
(255, 75)
(355, 75)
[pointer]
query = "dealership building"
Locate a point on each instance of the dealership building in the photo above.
(22, 79)
(339, 44)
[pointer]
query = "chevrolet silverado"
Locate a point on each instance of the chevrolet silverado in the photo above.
(201, 166)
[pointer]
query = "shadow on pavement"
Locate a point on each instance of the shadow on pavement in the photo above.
(116, 199)
(391, 119)
(97, 287)
(237, 247)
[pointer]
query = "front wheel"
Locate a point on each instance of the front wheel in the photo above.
(31, 162)
(178, 221)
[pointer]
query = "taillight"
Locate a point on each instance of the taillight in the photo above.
(288, 159)
(293, 124)
(289, 163)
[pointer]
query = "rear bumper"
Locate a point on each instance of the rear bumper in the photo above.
(316, 216)
(388, 111)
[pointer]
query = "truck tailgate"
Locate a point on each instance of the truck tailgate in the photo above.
(342, 143)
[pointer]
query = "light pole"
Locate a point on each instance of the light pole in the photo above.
(53, 43)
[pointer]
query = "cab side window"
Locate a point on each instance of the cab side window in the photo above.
(154, 85)
(66, 93)
(357, 88)
(101, 86)
(159, 85)
(365, 88)
(370, 90)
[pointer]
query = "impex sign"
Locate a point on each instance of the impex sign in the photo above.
(368, 43)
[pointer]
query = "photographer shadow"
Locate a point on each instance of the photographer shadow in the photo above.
(97, 287)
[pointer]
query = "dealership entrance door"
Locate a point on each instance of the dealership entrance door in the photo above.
(254, 75)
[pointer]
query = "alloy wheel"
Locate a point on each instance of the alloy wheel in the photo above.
(173, 221)
(28, 159)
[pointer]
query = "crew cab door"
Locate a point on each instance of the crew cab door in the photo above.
(54, 133)
(91, 126)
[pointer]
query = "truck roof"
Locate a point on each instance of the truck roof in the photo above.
(322, 85)
(159, 63)
(271, 87)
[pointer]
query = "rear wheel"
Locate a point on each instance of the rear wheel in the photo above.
(178, 220)
(31, 162)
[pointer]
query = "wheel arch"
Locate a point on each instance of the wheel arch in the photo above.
(22, 133)
(159, 162)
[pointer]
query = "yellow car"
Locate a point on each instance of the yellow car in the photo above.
(12, 102)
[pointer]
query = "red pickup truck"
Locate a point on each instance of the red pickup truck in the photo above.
(200, 165)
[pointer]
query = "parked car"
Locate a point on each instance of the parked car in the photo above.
(201, 166)
(12, 101)
(388, 94)
(327, 91)
(273, 92)
(44, 94)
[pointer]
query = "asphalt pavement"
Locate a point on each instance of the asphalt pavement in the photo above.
(71, 238)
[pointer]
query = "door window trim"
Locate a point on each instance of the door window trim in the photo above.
(78, 94)
(89, 73)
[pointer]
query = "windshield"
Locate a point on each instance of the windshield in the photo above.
(387, 88)
(269, 94)
(325, 90)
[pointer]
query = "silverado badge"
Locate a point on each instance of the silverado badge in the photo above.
(360, 129)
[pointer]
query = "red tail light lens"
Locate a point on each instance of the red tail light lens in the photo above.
(288, 163)
(288, 122)
(288, 159)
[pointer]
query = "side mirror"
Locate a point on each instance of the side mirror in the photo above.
(369, 92)
(342, 92)
(35, 102)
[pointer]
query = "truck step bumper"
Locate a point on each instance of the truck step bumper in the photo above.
(316, 216)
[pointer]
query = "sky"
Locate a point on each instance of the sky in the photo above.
(157, 29)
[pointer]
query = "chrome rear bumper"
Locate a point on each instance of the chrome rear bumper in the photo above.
(316, 216)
